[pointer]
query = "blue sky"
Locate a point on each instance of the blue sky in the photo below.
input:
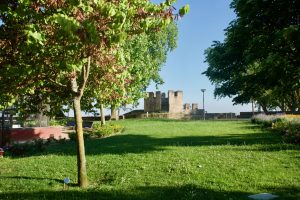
(204, 23)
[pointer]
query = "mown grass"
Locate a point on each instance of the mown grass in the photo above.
(162, 159)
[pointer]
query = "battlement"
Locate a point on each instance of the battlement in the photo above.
(158, 102)
(172, 104)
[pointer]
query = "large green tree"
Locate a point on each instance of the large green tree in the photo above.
(49, 48)
(144, 55)
(259, 58)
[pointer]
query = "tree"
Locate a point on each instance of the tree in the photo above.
(144, 53)
(49, 47)
(259, 54)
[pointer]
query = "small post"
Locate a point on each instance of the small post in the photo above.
(1, 153)
(66, 182)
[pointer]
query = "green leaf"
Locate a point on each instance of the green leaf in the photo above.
(184, 10)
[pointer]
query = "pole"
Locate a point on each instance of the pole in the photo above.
(203, 108)
(203, 90)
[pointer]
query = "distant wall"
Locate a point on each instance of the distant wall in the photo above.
(220, 116)
(25, 134)
(153, 102)
(171, 116)
(194, 116)
(158, 102)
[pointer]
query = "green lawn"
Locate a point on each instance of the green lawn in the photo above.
(162, 159)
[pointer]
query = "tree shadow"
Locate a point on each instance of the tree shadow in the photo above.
(188, 192)
(122, 144)
(184, 192)
(287, 192)
(262, 140)
(31, 178)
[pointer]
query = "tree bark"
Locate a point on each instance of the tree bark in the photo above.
(81, 160)
(114, 113)
(78, 92)
(102, 115)
(265, 109)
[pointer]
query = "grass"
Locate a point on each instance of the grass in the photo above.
(162, 159)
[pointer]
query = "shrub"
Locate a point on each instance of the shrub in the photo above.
(72, 135)
(30, 123)
(107, 130)
(59, 122)
(54, 122)
(289, 129)
(287, 125)
(292, 134)
(267, 120)
(30, 147)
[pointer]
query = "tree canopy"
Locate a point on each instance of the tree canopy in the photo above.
(49, 49)
(259, 58)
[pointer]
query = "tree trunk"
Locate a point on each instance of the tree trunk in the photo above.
(265, 109)
(81, 161)
(252, 108)
(102, 115)
(282, 106)
(78, 91)
(114, 113)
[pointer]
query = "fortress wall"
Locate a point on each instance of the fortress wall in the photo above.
(164, 103)
(175, 101)
(153, 102)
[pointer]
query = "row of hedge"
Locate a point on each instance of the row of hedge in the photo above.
(101, 131)
(287, 125)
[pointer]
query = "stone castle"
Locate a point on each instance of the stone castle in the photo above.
(158, 105)
(173, 103)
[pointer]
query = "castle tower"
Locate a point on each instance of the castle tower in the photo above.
(186, 108)
(153, 102)
(175, 101)
(158, 102)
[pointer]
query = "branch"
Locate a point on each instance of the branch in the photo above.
(59, 84)
(85, 72)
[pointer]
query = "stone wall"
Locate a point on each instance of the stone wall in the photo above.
(175, 101)
(164, 103)
(153, 102)
(158, 102)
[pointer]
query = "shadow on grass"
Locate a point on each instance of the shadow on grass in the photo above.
(188, 192)
(60, 181)
(134, 143)
(122, 144)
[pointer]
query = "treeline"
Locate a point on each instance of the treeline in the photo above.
(259, 59)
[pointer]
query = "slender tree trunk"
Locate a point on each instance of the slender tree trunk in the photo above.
(78, 92)
(282, 106)
(81, 160)
(114, 113)
(265, 109)
(102, 115)
(252, 108)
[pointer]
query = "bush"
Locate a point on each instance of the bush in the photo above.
(289, 129)
(107, 130)
(30, 123)
(287, 125)
(30, 147)
(72, 136)
(267, 120)
(58, 122)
